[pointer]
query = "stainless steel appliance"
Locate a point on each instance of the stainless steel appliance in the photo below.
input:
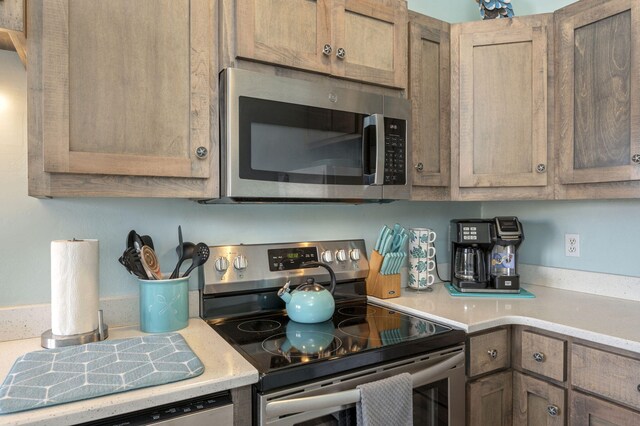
(309, 372)
(484, 254)
(284, 139)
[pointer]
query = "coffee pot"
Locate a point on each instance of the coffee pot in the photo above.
(310, 302)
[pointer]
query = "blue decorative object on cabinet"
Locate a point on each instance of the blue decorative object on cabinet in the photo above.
(491, 9)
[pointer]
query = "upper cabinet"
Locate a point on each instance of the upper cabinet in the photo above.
(429, 92)
(363, 40)
(598, 108)
(121, 99)
(501, 107)
(12, 15)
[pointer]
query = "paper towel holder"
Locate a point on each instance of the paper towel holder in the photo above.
(49, 340)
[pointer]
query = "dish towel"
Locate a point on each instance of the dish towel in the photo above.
(55, 376)
(386, 402)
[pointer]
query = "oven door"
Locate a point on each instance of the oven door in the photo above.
(288, 138)
(438, 394)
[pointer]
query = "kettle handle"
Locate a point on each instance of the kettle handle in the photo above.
(332, 274)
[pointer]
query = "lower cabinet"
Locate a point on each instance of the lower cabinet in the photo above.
(489, 400)
(587, 410)
(536, 402)
(522, 375)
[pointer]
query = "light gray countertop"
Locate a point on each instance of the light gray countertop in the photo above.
(224, 369)
(607, 320)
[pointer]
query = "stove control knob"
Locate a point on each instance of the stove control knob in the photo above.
(327, 256)
(240, 262)
(341, 255)
(355, 255)
(221, 264)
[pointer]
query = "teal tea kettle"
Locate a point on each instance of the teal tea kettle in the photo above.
(310, 302)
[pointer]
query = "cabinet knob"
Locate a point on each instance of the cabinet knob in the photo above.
(553, 410)
(493, 353)
(327, 49)
(635, 158)
(341, 53)
(202, 152)
(538, 356)
(638, 388)
(419, 167)
(541, 168)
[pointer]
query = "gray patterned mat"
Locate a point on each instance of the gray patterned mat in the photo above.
(55, 376)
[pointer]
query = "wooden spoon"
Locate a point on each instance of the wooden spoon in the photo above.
(150, 263)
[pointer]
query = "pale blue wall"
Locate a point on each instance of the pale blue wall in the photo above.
(609, 233)
(467, 10)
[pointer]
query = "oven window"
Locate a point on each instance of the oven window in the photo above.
(430, 408)
(284, 142)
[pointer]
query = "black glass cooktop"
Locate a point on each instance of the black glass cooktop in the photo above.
(359, 334)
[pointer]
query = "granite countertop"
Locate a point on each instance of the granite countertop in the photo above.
(607, 320)
(224, 369)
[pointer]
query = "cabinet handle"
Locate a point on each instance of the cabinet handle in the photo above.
(635, 158)
(493, 353)
(341, 53)
(541, 168)
(419, 167)
(327, 49)
(553, 410)
(538, 356)
(202, 152)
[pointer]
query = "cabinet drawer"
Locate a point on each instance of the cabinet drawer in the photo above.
(611, 376)
(489, 352)
(543, 355)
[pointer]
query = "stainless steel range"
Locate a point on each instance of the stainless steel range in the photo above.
(309, 372)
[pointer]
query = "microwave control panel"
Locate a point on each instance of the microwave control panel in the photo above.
(395, 158)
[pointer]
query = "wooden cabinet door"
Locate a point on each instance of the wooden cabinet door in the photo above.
(371, 41)
(589, 411)
(125, 87)
(429, 91)
(598, 108)
(503, 107)
(490, 400)
(536, 402)
(291, 33)
(12, 15)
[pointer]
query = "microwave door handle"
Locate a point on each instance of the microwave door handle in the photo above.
(376, 121)
(352, 396)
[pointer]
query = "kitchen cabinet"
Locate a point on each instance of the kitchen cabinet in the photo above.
(536, 402)
(597, 110)
(12, 15)
(489, 400)
(429, 92)
(122, 99)
(501, 109)
(589, 411)
(489, 389)
(363, 40)
(13, 27)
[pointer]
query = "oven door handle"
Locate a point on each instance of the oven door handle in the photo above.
(311, 403)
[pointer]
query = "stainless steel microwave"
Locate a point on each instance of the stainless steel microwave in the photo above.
(284, 139)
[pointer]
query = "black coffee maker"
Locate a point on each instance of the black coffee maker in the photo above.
(484, 254)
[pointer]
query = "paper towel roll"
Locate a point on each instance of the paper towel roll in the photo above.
(74, 286)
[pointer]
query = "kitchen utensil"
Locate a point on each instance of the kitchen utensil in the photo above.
(180, 251)
(147, 241)
(150, 263)
(310, 302)
(381, 237)
(200, 256)
(130, 259)
(134, 240)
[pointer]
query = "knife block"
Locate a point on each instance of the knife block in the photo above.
(378, 285)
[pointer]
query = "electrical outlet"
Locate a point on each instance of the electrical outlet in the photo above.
(572, 245)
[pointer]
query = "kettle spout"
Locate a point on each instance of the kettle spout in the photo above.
(284, 294)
